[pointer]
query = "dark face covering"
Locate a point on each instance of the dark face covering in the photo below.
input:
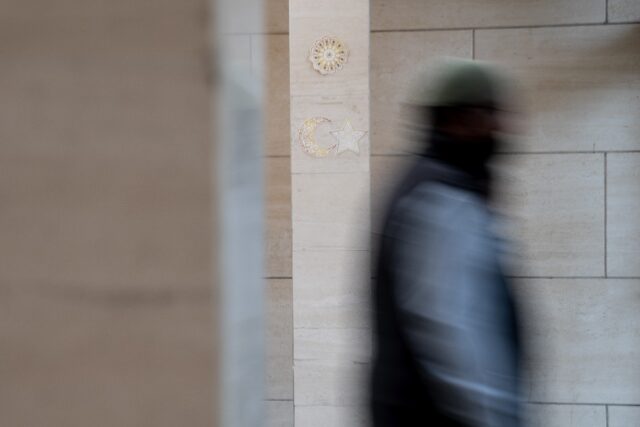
(468, 156)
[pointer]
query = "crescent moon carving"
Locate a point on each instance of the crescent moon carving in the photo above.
(307, 137)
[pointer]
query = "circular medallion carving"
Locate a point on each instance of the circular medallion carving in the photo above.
(328, 55)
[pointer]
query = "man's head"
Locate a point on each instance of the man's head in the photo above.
(467, 123)
(465, 101)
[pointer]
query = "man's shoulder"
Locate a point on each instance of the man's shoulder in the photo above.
(438, 206)
(444, 199)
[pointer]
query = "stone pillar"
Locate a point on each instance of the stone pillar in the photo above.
(329, 68)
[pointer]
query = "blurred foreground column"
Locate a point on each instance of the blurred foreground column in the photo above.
(106, 214)
(329, 50)
(238, 174)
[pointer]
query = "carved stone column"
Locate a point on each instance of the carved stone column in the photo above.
(329, 60)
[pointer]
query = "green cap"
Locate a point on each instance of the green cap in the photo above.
(459, 83)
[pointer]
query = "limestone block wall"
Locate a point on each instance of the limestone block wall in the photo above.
(105, 256)
(572, 181)
(572, 193)
(273, 48)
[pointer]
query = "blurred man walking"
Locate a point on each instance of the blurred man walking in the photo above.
(446, 331)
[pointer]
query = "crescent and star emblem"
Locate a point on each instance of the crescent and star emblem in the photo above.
(347, 138)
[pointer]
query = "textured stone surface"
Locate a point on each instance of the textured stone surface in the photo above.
(279, 413)
(396, 58)
(331, 211)
(624, 416)
(556, 213)
(74, 356)
(337, 344)
(623, 221)
(279, 318)
(566, 416)
(339, 110)
(329, 383)
(276, 16)
(330, 206)
(278, 217)
(270, 59)
(335, 416)
(624, 10)
(424, 14)
(332, 289)
(580, 84)
(311, 21)
(582, 341)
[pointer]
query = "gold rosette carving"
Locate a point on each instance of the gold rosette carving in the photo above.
(328, 55)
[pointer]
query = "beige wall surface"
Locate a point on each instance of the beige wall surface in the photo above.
(105, 258)
(570, 194)
(273, 48)
(579, 84)
(623, 11)
(438, 14)
(395, 58)
(570, 182)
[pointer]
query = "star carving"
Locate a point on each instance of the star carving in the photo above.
(348, 138)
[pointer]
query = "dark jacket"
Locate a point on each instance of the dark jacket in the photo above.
(446, 335)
